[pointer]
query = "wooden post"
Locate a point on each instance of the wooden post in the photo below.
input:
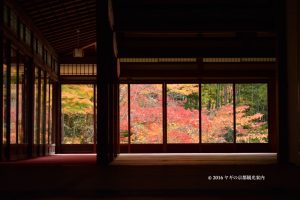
(283, 146)
(29, 105)
(106, 85)
(7, 100)
(1, 80)
(43, 117)
(57, 116)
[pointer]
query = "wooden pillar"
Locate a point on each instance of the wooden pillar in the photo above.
(116, 117)
(57, 116)
(106, 85)
(293, 79)
(43, 117)
(29, 105)
(7, 100)
(282, 84)
(1, 79)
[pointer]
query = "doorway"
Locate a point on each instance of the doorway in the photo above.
(78, 118)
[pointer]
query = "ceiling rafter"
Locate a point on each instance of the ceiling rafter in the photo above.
(73, 36)
(75, 11)
(69, 30)
(42, 7)
(74, 45)
(173, 26)
(72, 21)
(58, 21)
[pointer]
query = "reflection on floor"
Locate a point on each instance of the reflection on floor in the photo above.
(149, 176)
(155, 159)
(196, 159)
(58, 159)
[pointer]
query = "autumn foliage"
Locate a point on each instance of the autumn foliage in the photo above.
(77, 112)
(217, 115)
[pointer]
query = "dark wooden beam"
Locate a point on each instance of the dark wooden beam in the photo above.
(72, 25)
(283, 138)
(43, 5)
(64, 14)
(1, 80)
(70, 31)
(88, 39)
(31, 26)
(73, 37)
(106, 83)
(64, 47)
(174, 26)
(57, 114)
(7, 101)
(66, 79)
(197, 47)
(53, 7)
(67, 49)
(84, 60)
(191, 15)
(181, 71)
(29, 105)
(194, 2)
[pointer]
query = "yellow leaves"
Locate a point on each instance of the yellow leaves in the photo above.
(148, 88)
(77, 99)
(184, 89)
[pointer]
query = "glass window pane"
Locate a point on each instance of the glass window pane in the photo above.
(146, 113)
(217, 113)
(183, 113)
(13, 99)
(47, 112)
(251, 113)
(124, 113)
(21, 100)
(77, 102)
(51, 139)
(36, 106)
(4, 107)
(42, 109)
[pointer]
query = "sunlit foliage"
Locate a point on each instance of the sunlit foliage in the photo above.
(77, 110)
(217, 113)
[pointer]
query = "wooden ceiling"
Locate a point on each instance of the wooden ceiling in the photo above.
(195, 15)
(196, 28)
(164, 28)
(59, 20)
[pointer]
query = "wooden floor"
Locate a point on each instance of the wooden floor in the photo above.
(196, 159)
(155, 159)
(149, 177)
(57, 159)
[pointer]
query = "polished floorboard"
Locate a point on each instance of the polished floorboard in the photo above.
(196, 159)
(149, 176)
(155, 159)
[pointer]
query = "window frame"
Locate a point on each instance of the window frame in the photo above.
(270, 146)
(76, 148)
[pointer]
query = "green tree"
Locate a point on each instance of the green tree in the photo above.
(77, 109)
